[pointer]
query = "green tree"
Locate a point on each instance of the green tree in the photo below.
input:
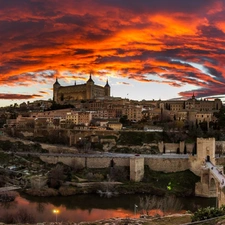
(220, 118)
(56, 177)
(124, 120)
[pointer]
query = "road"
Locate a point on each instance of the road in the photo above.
(109, 155)
(218, 174)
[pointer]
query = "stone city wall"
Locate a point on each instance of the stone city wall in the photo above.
(167, 165)
(67, 160)
(89, 162)
(157, 164)
(173, 147)
(104, 162)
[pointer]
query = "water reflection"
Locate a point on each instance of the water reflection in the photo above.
(92, 207)
(40, 207)
(9, 205)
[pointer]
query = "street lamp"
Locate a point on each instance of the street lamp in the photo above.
(56, 211)
(135, 209)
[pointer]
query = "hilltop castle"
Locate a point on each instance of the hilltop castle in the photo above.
(63, 94)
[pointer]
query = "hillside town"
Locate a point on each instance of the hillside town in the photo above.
(74, 108)
(86, 141)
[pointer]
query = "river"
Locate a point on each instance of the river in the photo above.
(93, 207)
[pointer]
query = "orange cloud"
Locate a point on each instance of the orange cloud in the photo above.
(42, 40)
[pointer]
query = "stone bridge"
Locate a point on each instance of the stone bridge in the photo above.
(204, 163)
(212, 182)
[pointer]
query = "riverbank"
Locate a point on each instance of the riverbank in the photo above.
(176, 219)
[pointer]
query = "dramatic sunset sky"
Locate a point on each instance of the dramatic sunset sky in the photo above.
(148, 49)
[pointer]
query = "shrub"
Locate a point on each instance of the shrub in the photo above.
(207, 213)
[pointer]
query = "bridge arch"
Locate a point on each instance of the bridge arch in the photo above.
(212, 186)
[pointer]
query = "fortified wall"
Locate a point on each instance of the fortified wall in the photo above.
(180, 147)
(166, 165)
(136, 164)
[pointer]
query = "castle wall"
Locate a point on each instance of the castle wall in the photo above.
(99, 91)
(71, 92)
(78, 92)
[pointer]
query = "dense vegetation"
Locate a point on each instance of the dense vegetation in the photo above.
(18, 146)
(208, 213)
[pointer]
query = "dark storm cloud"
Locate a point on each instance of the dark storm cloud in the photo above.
(80, 20)
(20, 26)
(158, 5)
(211, 31)
(214, 72)
(203, 92)
(18, 96)
(83, 51)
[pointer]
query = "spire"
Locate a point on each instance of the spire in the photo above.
(56, 81)
(107, 83)
(90, 79)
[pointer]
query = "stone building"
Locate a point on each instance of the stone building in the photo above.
(68, 94)
(193, 103)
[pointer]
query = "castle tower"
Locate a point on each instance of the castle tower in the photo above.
(107, 89)
(90, 88)
(56, 86)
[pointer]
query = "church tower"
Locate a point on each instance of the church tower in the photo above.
(56, 86)
(90, 88)
(107, 89)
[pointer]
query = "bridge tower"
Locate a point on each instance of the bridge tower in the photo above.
(207, 187)
(212, 177)
(206, 148)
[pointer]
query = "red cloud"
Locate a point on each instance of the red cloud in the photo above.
(44, 39)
